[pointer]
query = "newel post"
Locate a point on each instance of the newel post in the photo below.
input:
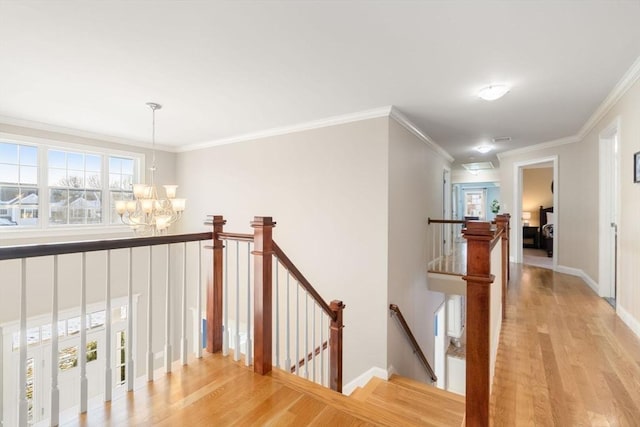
(214, 291)
(335, 342)
(479, 280)
(502, 221)
(263, 251)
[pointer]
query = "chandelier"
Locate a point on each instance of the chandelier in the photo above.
(149, 214)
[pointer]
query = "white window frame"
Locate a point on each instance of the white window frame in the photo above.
(44, 227)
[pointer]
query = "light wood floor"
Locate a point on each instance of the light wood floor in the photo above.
(215, 391)
(564, 359)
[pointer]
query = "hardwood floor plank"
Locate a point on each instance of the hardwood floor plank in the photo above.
(565, 358)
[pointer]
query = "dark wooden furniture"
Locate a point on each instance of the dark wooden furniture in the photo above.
(530, 237)
(546, 235)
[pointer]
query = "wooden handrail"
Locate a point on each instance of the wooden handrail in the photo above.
(416, 347)
(47, 249)
(235, 236)
(290, 266)
(310, 356)
(445, 221)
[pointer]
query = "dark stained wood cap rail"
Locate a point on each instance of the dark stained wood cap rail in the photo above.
(48, 249)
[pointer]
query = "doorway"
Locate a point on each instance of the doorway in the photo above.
(527, 220)
(609, 202)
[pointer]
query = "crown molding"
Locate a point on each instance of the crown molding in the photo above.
(625, 83)
(283, 130)
(541, 146)
(29, 124)
(407, 124)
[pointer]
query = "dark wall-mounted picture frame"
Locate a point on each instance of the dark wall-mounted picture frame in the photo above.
(636, 167)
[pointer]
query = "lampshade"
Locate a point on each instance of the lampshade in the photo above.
(526, 216)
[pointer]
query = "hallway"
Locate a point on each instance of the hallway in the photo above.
(565, 358)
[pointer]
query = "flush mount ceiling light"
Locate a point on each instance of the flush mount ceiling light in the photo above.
(493, 92)
(484, 149)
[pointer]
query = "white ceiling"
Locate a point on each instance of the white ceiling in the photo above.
(224, 69)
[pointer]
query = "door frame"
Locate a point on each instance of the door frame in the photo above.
(609, 213)
(516, 235)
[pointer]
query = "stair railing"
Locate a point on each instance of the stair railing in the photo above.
(412, 339)
(487, 263)
(445, 242)
(289, 319)
(124, 269)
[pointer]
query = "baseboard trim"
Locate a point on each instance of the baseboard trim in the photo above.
(628, 319)
(581, 274)
(363, 379)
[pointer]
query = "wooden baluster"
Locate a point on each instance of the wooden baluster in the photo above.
(55, 392)
(214, 291)
(248, 353)
(199, 345)
(23, 412)
(236, 349)
(277, 338)
(287, 362)
(108, 375)
(168, 356)
(130, 374)
(150, 317)
(335, 362)
(184, 345)
(83, 336)
(479, 279)
(226, 337)
(263, 252)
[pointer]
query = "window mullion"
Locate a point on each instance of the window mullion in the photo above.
(43, 186)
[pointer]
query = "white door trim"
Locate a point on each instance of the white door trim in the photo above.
(516, 226)
(609, 177)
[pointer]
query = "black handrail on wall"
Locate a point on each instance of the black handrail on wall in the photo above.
(416, 348)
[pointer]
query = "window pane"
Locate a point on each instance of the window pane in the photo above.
(92, 351)
(115, 165)
(127, 166)
(127, 182)
(93, 163)
(115, 196)
(33, 336)
(58, 202)
(28, 155)
(8, 153)
(75, 161)
(77, 207)
(46, 332)
(115, 181)
(8, 173)
(68, 358)
(57, 177)
(57, 159)
(29, 175)
(73, 326)
(93, 180)
(75, 178)
(97, 319)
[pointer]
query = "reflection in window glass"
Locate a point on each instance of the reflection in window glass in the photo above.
(92, 351)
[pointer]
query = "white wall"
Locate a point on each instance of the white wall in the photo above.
(577, 210)
(578, 192)
(327, 189)
(627, 109)
(415, 194)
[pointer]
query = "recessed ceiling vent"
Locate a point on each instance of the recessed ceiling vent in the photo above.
(478, 166)
(502, 139)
